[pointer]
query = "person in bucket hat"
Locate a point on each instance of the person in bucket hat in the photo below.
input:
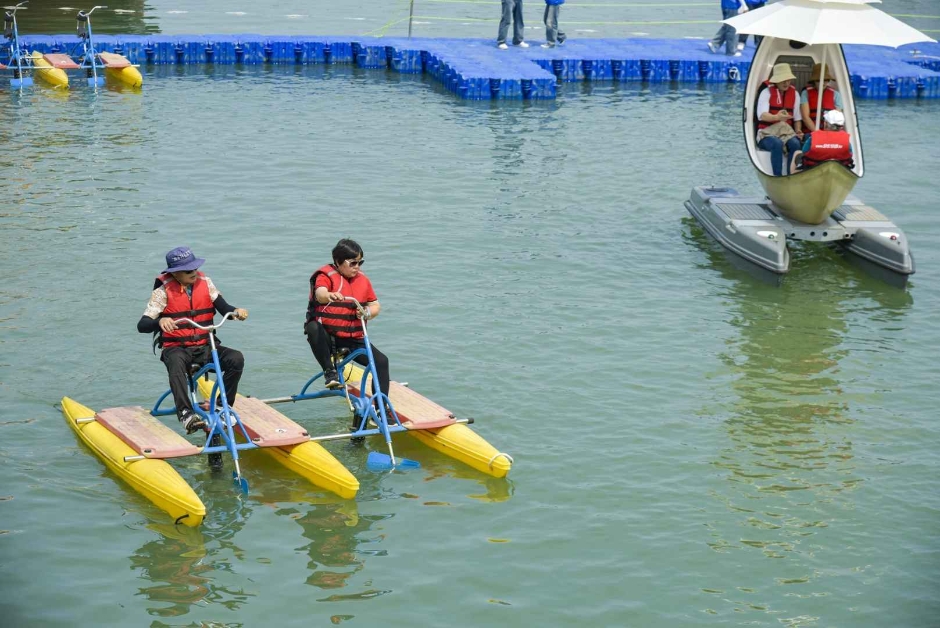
(778, 117)
(182, 291)
(809, 98)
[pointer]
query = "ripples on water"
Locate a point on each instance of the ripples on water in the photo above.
(693, 444)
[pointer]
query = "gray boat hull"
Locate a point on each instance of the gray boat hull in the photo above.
(755, 230)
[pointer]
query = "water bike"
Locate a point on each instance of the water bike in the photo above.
(135, 445)
(400, 410)
(50, 67)
(17, 58)
(812, 205)
(116, 67)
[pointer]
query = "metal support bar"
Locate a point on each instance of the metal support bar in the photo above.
(134, 458)
(85, 420)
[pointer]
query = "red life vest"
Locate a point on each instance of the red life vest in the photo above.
(828, 103)
(338, 318)
(179, 304)
(828, 146)
(789, 101)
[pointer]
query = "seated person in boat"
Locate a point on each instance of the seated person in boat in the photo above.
(809, 99)
(334, 323)
(831, 144)
(777, 113)
(181, 291)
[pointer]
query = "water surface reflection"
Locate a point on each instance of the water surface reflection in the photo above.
(789, 465)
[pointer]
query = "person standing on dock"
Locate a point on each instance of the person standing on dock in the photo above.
(181, 291)
(553, 36)
(726, 34)
(751, 6)
(512, 12)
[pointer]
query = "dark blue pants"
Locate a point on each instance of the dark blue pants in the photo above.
(775, 146)
(512, 11)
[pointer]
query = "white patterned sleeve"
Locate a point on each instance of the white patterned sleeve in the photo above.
(156, 304)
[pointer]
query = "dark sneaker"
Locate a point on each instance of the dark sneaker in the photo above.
(356, 440)
(215, 460)
(192, 422)
(331, 380)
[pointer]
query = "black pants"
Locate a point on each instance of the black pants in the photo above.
(178, 360)
(322, 345)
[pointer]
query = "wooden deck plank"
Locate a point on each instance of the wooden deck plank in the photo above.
(114, 60)
(61, 61)
(415, 411)
(145, 434)
(266, 426)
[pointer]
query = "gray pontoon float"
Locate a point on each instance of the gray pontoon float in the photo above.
(753, 228)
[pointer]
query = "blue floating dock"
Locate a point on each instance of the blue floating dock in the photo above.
(475, 69)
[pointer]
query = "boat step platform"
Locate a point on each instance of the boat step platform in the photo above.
(145, 434)
(114, 61)
(415, 411)
(61, 61)
(149, 437)
(754, 229)
(266, 426)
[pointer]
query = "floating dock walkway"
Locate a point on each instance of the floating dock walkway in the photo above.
(475, 69)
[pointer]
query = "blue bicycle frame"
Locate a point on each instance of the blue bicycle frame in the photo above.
(89, 59)
(18, 62)
(222, 421)
(363, 405)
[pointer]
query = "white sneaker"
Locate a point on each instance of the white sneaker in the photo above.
(502, 46)
(547, 45)
(737, 54)
(713, 47)
(521, 44)
(740, 46)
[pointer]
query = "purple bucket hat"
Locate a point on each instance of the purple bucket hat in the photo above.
(182, 258)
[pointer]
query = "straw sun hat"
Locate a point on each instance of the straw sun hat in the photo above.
(782, 73)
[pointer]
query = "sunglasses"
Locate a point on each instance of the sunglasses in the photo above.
(355, 262)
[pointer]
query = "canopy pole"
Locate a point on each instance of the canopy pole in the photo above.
(821, 87)
(411, 15)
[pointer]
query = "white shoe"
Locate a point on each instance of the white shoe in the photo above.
(713, 47)
(502, 46)
(740, 46)
(737, 54)
(521, 44)
(547, 45)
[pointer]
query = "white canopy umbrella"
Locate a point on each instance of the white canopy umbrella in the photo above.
(827, 22)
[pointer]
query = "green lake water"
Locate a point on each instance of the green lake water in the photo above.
(693, 445)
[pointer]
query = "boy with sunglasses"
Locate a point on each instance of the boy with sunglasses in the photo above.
(334, 323)
(181, 291)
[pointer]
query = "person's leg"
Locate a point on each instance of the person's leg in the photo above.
(177, 361)
(232, 363)
(518, 26)
(549, 29)
(504, 22)
(320, 344)
(731, 35)
(793, 146)
(775, 146)
(757, 40)
(559, 35)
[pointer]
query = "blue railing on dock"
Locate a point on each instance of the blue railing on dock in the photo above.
(475, 69)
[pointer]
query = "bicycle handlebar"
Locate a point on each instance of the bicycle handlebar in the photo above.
(228, 316)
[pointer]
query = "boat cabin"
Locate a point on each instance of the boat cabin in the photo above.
(801, 58)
